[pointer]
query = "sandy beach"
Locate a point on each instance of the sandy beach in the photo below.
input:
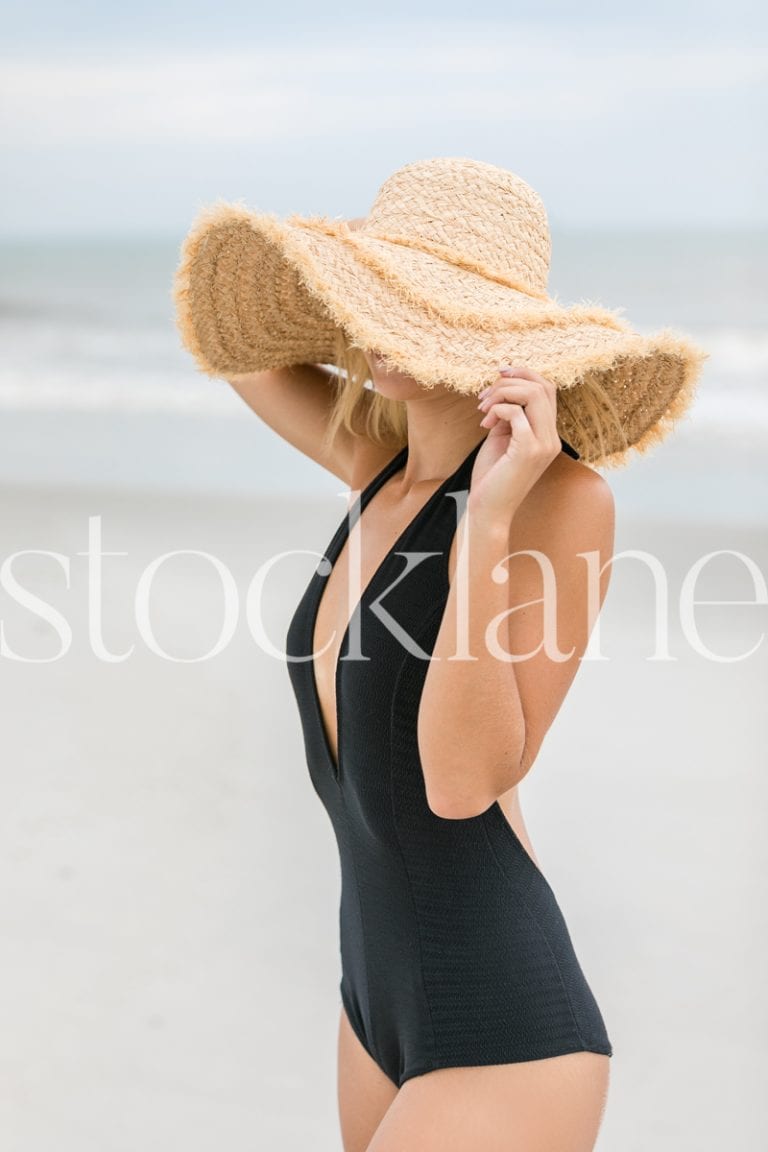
(169, 890)
(169, 879)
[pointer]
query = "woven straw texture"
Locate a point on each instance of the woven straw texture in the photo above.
(446, 280)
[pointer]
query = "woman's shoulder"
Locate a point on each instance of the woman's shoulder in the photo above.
(570, 506)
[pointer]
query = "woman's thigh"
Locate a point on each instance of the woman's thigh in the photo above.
(364, 1091)
(550, 1105)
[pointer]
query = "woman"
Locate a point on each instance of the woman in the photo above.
(466, 1021)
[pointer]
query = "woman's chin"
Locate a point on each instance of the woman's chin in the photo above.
(394, 387)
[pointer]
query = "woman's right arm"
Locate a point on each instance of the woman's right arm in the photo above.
(296, 403)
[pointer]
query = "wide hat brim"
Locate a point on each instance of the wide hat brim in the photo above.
(254, 292)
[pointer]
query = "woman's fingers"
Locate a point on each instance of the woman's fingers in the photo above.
(520, 413)
(506, 418)
(511, 370)
(539, 385)
(538, 406)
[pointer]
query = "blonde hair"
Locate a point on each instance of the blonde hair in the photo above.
(589, 421)
(361, 410)
(592, 420)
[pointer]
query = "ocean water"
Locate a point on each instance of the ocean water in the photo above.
(96, 388)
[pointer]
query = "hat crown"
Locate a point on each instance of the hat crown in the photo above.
(475, 213)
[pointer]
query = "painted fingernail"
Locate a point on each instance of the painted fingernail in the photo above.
(485, 391)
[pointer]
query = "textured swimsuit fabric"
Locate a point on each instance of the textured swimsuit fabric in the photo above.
(454, 950)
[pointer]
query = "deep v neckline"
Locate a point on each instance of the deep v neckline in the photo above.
(336, 763)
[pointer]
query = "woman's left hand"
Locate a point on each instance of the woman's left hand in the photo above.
(520, 412)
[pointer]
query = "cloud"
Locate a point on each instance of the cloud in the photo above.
(610, 121)
(355, 83)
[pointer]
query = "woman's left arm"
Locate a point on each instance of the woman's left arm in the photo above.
(483, 717)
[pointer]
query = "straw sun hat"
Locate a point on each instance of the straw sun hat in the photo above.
(446, 279)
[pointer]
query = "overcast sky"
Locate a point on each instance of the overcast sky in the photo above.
(124, 120)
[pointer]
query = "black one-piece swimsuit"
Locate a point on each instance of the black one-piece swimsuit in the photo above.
(454, 950)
